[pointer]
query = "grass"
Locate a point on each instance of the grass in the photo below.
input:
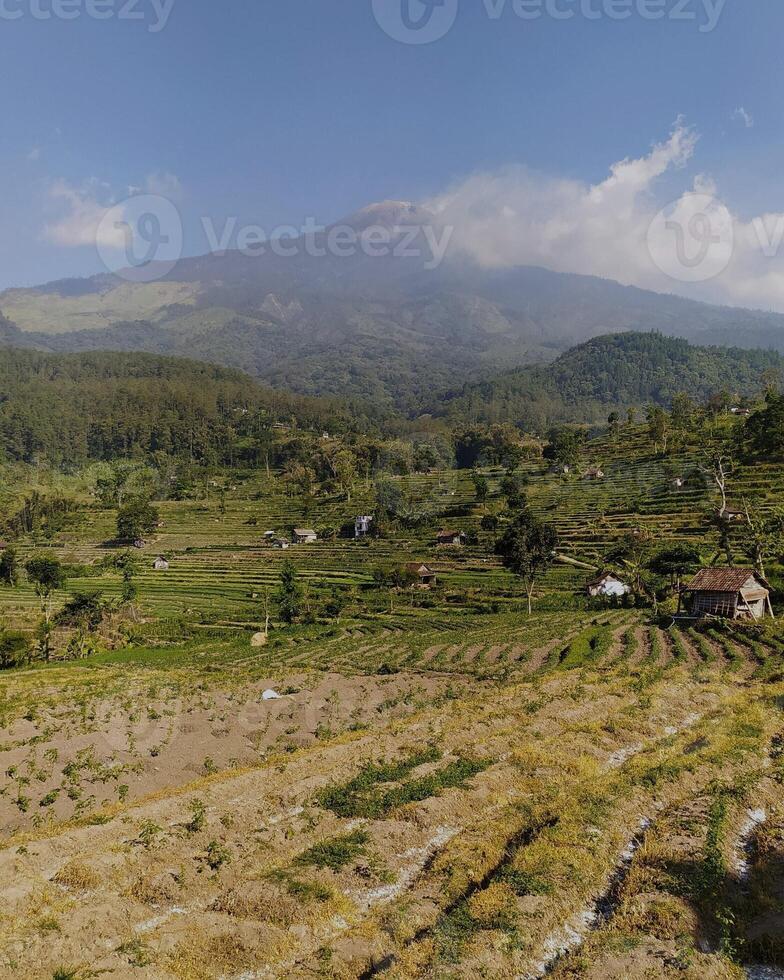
(363, 797)
(335, 853)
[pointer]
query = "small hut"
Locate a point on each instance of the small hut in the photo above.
(451, 539)
(424, 573)
(305, 535)
(731, 593)
(594, 473)
(160, 564)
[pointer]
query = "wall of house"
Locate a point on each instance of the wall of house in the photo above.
(715, 604)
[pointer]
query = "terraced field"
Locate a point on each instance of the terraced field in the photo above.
(429, 785)
(466, 816)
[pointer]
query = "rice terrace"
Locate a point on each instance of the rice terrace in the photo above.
(328, 696)
(391, 490)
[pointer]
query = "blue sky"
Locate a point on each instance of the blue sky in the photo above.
(276, 110)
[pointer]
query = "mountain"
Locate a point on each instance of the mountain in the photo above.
(608, 374)
(389, 329)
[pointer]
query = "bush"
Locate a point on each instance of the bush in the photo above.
(14, 649)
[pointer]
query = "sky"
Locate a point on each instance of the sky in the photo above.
(548, 132)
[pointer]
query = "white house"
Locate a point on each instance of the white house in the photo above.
(304, 535)
(362, 526)
(607, 585)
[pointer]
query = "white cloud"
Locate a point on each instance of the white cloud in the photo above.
(82, 210)
(34, 154)
(741, 115)
(610, 229)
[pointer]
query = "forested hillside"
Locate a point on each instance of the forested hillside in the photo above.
(74, 407)
(388, 329)
(614, 372)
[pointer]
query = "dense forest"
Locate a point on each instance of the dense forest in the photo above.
(66, 409)
(100, 406)
(614, 372)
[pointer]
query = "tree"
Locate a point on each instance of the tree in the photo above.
(127, 566)
(335, 604)
(527, 549)
(489, 522)
(481, 487)
(47, 575)
(658, 427)
(135, 519)
(763, 432)
(613, 424)
(289, 594)
(634, 552)
(675, 562)
(564, 446)
(14, 649)
(9, 567)
(717, 467)
(84, 612)
(762, 537)
(683, 411)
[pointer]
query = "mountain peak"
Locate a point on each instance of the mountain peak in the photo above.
(388, 214)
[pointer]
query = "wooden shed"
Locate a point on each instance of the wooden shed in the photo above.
(732, 593)
(423, 572)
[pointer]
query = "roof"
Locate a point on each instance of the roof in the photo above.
(603, 577)
(723, 580)
(304, 530)
(419, 566)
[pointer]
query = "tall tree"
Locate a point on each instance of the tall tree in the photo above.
(527, 548)
(289, 594)
(9, 567)
(47, 575)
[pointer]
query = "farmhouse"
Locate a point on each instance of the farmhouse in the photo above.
(451, 538)
(281, 544)
(160, 565)
(607, 584)
(304, 535)
(732, 593)
(362, 526)
(732, 515)
(423, 572)
(594, 473)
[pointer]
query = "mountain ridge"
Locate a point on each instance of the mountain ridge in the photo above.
(386, 328)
